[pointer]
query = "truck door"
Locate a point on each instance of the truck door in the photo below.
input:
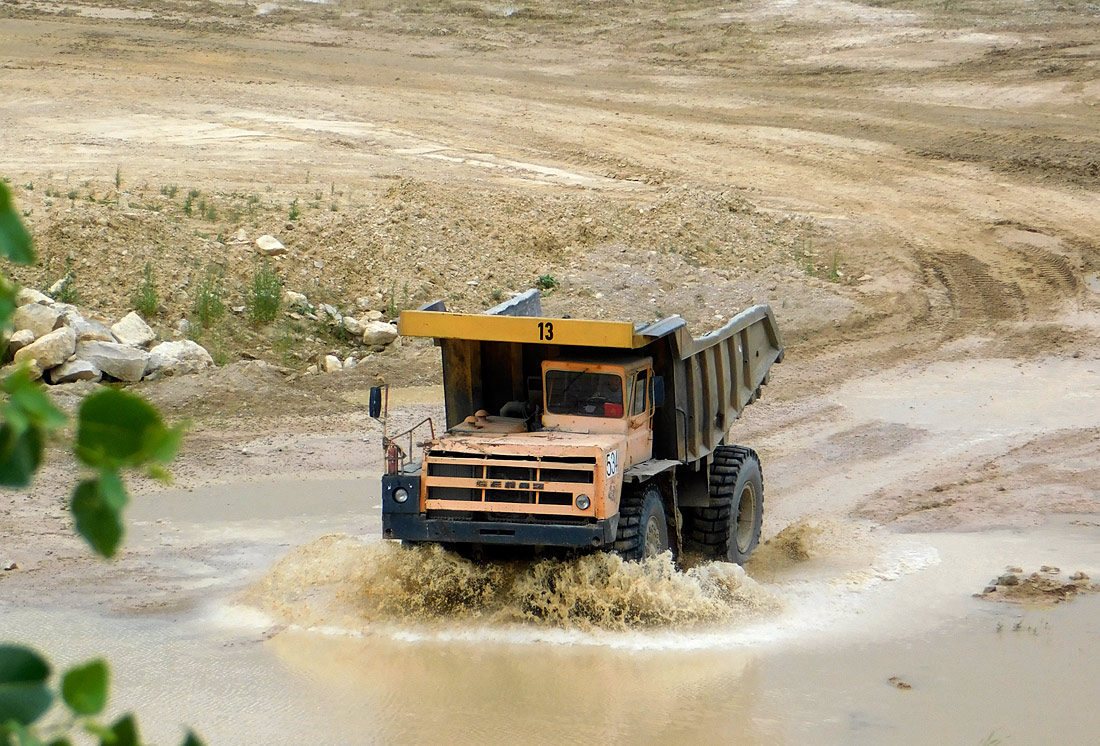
(639, 435)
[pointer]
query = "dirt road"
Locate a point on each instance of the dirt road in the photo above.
(913, 185)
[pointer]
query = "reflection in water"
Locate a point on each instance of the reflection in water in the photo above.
(497, 694)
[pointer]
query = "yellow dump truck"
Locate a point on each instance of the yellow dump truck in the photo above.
(564, 432)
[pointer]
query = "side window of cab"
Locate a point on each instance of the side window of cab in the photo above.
(641, 389)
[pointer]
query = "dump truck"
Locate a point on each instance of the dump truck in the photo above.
(565, 432)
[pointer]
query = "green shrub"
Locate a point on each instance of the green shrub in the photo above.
(146, 300)
(295, 213)
(546, 282)
(265, 296)
(209, 298)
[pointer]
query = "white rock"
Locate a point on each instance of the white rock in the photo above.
(312, 370)
(30, 295)
(58, 286)
(362, 303)
(378, 333)
(270, 246)
(177, 358)
(331, 364)
(116, 360)
(132, 330)
(74, 370)
(19, 340)
(38, 318)
(350, 362)
(183, 326)
(370, 316)
(352, 326)
(241, 236)
(87, 330)
(330, 311)
(294, 299)
(49, 350)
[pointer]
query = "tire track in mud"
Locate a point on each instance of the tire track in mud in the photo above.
(972, 291)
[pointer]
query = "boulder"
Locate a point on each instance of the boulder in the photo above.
(177, 358)
(30, 295)
(19, 340)
(330, 312)
(331, 364)
(240, 237)
(352, 326)
(38, 318)
(350, 362)
(295, 300)
(378, 333)
(116, 360)
(74, 370)
(270, 246)
(49, 350)
(371, 316)
(87, 330)
(132, 330)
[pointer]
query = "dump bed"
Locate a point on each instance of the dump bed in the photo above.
(495, 358)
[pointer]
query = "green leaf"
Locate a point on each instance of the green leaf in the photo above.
(192, 739)
(119, 429)
(96, 520)
(28, 396)
(24, 696)
(15, 244)
(123, 733)
(20, 455)
(24, 736)
(62, 741)
(113, 491)
(84, 689)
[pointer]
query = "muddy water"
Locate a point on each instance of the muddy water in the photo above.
(849, 607)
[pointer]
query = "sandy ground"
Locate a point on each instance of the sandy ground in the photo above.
(912, 185)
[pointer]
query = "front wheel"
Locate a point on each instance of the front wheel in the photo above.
(643, 528)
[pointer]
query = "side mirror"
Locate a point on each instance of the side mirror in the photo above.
(658, 391)
(375, 405)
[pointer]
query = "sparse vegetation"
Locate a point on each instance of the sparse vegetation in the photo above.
(546, 282)
(265, 296)
(209, 298)
(169, 191)
(146, 300)
(66, 289)
(295, 213)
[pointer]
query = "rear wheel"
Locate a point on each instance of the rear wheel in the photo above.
(729, 528)
(643, 528)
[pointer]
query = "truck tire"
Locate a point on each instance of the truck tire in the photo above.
(730, 527)
(643, 527)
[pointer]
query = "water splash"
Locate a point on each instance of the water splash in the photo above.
(340, 582)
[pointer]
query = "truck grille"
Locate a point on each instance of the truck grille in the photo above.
(546, 484)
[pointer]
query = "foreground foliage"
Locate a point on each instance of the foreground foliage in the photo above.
(114, 431)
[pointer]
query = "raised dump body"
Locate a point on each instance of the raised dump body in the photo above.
(569, 432)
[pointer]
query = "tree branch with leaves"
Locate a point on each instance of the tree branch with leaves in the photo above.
(115, 431)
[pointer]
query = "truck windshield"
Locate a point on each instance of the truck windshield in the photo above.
(583, 393)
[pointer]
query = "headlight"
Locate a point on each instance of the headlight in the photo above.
(583, 502)
(400, 495)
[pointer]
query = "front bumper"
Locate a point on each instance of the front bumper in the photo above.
(405, 521)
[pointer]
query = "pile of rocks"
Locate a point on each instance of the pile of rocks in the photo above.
(60, 344)
(367, 329)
